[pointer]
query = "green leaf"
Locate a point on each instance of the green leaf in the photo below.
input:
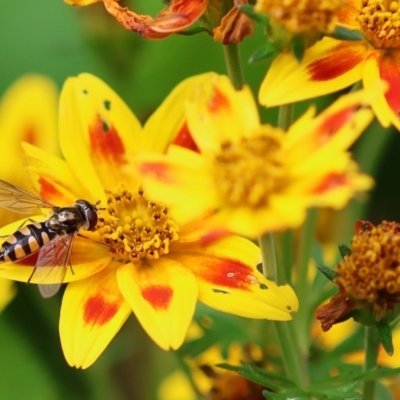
(290, 395)
(298, 47)
(385, 337)
(344, 250)
(249, 11)
(264, 52)
(329, 273)
(264, 378)
(343, 33)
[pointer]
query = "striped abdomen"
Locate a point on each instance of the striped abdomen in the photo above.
(26, 241)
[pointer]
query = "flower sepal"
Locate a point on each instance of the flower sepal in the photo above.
(249, 10)
(267, 51)
(344, 250)
(328, 272)
(343, 33)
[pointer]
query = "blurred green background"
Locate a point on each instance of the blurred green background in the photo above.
(52, 38)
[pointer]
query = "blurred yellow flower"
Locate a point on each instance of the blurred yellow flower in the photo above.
(28, 113)
(256, 178)
(333, 64)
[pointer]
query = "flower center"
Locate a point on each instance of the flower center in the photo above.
(299, 16)
(380, 22)
(247, 172)
(135, 228)
(372, 272)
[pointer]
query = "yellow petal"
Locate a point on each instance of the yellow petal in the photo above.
(221, 113)
(164, 124)
(328, 66)
(185, 173)
(163, 296)
(92, 312)
(97, 130)
(53, 178)
(229, 281)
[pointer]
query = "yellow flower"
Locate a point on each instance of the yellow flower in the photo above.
(254, 177)
(299, 16)
(332, 64)
(28, 112)
(141, 259)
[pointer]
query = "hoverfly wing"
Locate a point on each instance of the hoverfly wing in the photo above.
(52, 264)
(18, 200)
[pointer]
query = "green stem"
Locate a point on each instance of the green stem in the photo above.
(233, 65)
(303, 289)
(267, 247)
(285, 116)
(371, 347)
(291, 358)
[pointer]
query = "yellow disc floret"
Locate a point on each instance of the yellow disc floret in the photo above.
(299, 16)
(248, 171)
(135, 228)
(380, 22)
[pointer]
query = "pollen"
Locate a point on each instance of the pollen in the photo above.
(135, 228)
(371, 274)
(380, 23)
(298, 16)
(248, 171)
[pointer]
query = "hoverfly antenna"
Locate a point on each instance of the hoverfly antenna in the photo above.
(99, 208)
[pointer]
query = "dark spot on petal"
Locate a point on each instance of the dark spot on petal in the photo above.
(107, 104)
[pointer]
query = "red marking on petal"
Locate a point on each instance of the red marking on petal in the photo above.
(157, 169)
(106, 143)
(47, 189)
(211, 237)
(98, 311)
(158, 296)
(341, 59)
(333, 122)
(29, 261)
(29, 135)
(227, 273)
(184, 139)
(389, 71)
(218, 102)
(331, 181)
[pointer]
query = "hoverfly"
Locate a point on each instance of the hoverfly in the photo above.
(52, 238)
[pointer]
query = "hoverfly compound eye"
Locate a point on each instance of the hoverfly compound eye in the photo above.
(90, 212)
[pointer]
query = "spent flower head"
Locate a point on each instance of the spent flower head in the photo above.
(254, 178)
(220, 18)
(140, 259)
(333, 64)
(368, 278)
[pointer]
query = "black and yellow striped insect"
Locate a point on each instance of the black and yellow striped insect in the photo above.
(52, 238)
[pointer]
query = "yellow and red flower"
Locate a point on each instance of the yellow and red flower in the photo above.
(141, 259)
(257, 178)
(333, 64)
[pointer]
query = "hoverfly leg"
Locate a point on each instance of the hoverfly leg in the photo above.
(95, 241)
(31, 276)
